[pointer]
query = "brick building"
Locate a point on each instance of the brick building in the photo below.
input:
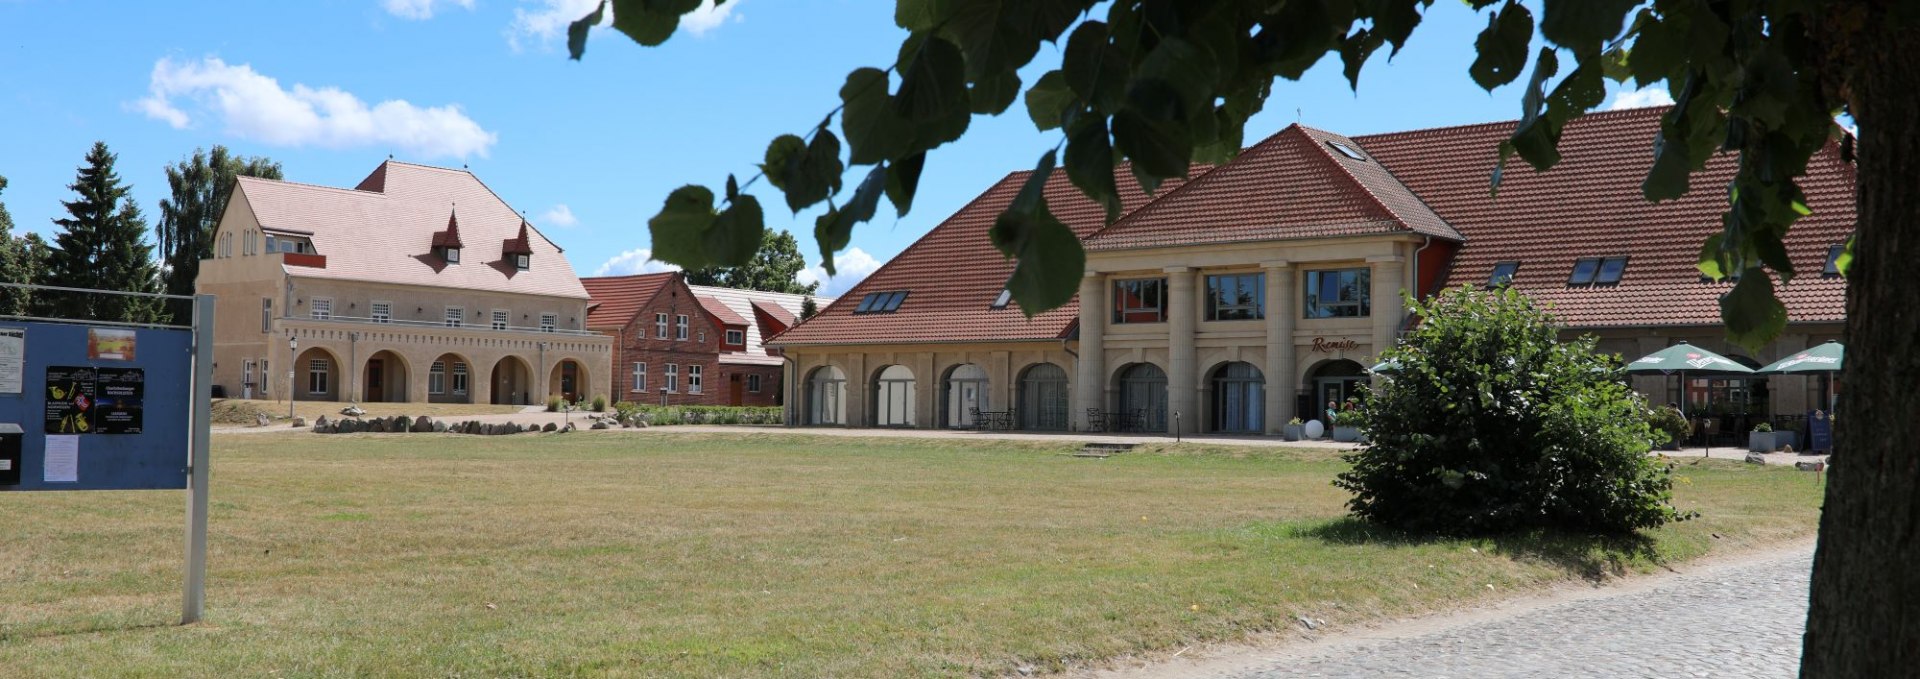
(680, 344)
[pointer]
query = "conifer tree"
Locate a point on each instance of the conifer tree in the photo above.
(15, 265)
(102, 245)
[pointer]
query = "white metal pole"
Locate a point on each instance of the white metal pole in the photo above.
(195, 598)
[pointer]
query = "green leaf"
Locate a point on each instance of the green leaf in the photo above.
(1090, 163)
(1049, 100)
(874, 132)
(679, 230)
(1354, 52)
(1754, 316)
(1394, 20)
(1050, 266)
(1714, 263)
(1158, 148)
(1659, 47)
(577, 31)
(1502, 47)
(993, 95)
(650, 22)
(933, 86)
(735, 235)
(1583, 25)
(1669, 177)
(1002, 36)
(1094, 69)
(1845, 261)
(834, 229)
(806, 172)
(903, 180)
(918, 15)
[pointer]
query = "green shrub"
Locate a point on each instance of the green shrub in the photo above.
(1491, 424)
(1763, 427)
(1349, 417)
(553, 404)
(671, 415)
(625, 409)
(599, 404)
(1670, 425)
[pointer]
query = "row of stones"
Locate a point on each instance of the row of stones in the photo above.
(424, 424)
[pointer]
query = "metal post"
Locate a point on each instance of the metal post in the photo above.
(293, 358)
(194, 601)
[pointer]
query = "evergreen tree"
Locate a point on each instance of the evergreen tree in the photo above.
(15, 266)
(101, 246)
(201, 185)
(808, 307)
(775, 268)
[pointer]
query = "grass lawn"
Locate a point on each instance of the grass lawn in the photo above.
(702, 555)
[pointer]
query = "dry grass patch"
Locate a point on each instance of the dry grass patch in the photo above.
(704, 555)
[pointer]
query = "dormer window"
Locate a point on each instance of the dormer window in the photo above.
(452, 255)
(518, 250)
(446, 243)
(522, 262)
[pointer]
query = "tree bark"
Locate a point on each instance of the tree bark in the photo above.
(1864, 620)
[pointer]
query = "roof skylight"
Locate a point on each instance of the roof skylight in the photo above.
(1584, 270)
(1833, 260)
(1611, 269)
(1001, 301)
(881, 302)
(1347, 151)
(1502, 274)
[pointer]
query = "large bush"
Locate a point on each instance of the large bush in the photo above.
(1491, 424)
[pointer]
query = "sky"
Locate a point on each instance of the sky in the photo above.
(588, 149)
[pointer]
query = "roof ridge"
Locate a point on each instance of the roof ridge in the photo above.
(1185, 182)
(306, 185)
(1326, 152)
(1613, 113)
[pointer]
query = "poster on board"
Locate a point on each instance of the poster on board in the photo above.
(13, 360)
(110, 344)
(70, 399)
(120, 395)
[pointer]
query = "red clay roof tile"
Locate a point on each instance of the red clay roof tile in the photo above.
(620, 297)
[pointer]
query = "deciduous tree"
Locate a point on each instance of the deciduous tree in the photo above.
(774, 268)
(15, 265)
(200, 186)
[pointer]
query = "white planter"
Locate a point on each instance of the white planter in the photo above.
(1767, 441)
(1294, 432)
(1346, 434)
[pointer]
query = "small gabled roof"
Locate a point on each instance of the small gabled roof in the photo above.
(780, 313)
(1294, 184)
(450, 237)
(517, 245)
(734, 306)
(618, 298)
(718, 310)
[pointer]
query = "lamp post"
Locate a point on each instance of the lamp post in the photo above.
(293, 393)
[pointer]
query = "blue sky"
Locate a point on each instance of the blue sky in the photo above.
(587, 149)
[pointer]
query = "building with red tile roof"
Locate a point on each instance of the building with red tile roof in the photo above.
(418, 285)
(1308, 236)
(681, 344)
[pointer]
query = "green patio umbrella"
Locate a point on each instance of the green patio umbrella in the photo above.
(1823, 360)
(1386, 367)
(1685, 358)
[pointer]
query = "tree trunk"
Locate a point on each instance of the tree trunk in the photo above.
(1865, 614)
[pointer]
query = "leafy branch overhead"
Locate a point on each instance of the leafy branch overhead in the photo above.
(1153, 86)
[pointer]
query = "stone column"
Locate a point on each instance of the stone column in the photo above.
(1089, 383)
(1280, 313)
(1182, 380)
(1387, 310)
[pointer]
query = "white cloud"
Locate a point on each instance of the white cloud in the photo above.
(638, 260)
(253, 106)
(419, 9)
(1653, 96)
(546, 23)
(851, 267)
(559, 215)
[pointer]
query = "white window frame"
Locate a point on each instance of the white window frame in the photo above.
(455, 317)
(319, 372)
(266, 314)
(451, 255)
(660, 326)
(673, 378)
(522, 262)
(459, 378)
(246, 372)
(382, 311)
(548, 322)
(753, 383)
(320, 308)
(679, 327)
(437, 378)
(741, 334)
(639, 377)
(501, 319)
(693, 378)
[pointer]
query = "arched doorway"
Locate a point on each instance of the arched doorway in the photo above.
(893, 399)
(965, 393)
(826, 396)
(568, 381)
(1143, 396)
(317, 374)
(384, 378)
(1043, 398)
(1333, 383)
(512, 380)
(1238, 398)
(449, 380)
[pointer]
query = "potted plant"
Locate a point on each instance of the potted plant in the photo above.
(1669, 424)
(1346, 425)
(1764, 439)
(1295, 430)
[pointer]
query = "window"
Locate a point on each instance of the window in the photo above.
(317, 375)
(322, 308)
(1584, 270)
(639, 377)
(680, 327)
(737, 337)
(1001, 301)
(1236, 297)
(1140, 301)
(273, 244)
(673, 377)
(1340, 293)
(548, 321)
(693, 379)
(266, 314)
(1347, 151)
(246, 372)
(660, 326)
(753, 383)
(456, 316)
(1611, 269)
(499, 319)
(881, 302)
(523, 262)
(459, 378)
(266, 378)
(1502, 274)
(452, 255)
(1833, 261)
(382, 312)
(437, 378)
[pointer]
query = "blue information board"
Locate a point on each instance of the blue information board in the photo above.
(113, 401)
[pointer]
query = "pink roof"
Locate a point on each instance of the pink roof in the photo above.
(382, 233)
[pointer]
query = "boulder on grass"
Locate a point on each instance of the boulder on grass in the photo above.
(550, 427)
(599, 424)
(353, 411)
(1756, 458)
(439, 427)
(642, 424)
(377, 426)
(422, 424)
(261, 420)
(299, 422)
(402, 424)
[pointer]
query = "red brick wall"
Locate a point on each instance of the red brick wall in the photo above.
(638, 342)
